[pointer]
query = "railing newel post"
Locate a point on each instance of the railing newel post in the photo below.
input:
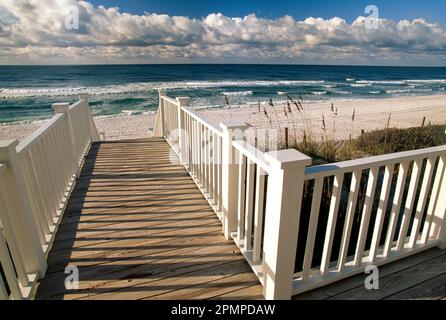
(232, 130)
(94, 135)
(283, 205)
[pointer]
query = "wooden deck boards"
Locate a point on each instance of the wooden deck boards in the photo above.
(422, 276)
(137, 227)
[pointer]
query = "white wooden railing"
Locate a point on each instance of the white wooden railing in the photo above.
(262, 201)
(36, 178)
(413, 217)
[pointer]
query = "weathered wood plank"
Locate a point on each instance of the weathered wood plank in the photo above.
(432, 289)
(400, 281)
(358, 281)
(137, 227)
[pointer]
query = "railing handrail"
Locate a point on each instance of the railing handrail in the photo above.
(171, 100)
(202, 120)
(39, 133)
(252, 153)
(75, 105)
(192, 113)
(330, 169)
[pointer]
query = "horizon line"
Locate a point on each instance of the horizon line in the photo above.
(222, 63)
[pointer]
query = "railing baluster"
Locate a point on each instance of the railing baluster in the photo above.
(8, 269)
(409, 204)
(220, 163)
(421, 201)
(196, 151)
(65, 153)
(49, 158)
(52, 194)
(241, 197)
(193, 148)
(439, 176)
(215, 168)
(312, 227)
(249, 203)
(399, 191)
(207, 162)
(189, 143)
(258, 214)
(365, 218)
(351, 208)
(37, 195)
(211, 166)
(331, 223)
(204, 157)
(383, 199)
(3, 292)
(13, 244)
(57, 165)
(43, 186)
(30, 190)
(58, 159)
(201, 157)
(438, 226)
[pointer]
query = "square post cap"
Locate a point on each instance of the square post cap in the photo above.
(83, 96)
(288, 158)
(61, 107)
(230, 125)
(183, 101)
(8, 144)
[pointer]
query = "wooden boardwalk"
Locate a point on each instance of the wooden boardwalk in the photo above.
(422, 276)
(137, 227)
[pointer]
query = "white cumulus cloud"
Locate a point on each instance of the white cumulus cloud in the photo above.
(33, 31)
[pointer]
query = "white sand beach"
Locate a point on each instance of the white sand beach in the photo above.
(370, 114)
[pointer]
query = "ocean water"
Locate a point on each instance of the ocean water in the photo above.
(27, 92)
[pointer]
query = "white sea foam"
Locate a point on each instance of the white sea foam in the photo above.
(407, 81)
(408, 90)
(319, 93)
(132, 112)
(370, 82)
(361, 84)
(237, 93)
(185, 85)
(342, 92)
(427, 81)
(146, 86)
(398, 91)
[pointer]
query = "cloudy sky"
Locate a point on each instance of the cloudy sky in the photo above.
(409, 32)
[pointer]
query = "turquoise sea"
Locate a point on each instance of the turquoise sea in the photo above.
(27, 92)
